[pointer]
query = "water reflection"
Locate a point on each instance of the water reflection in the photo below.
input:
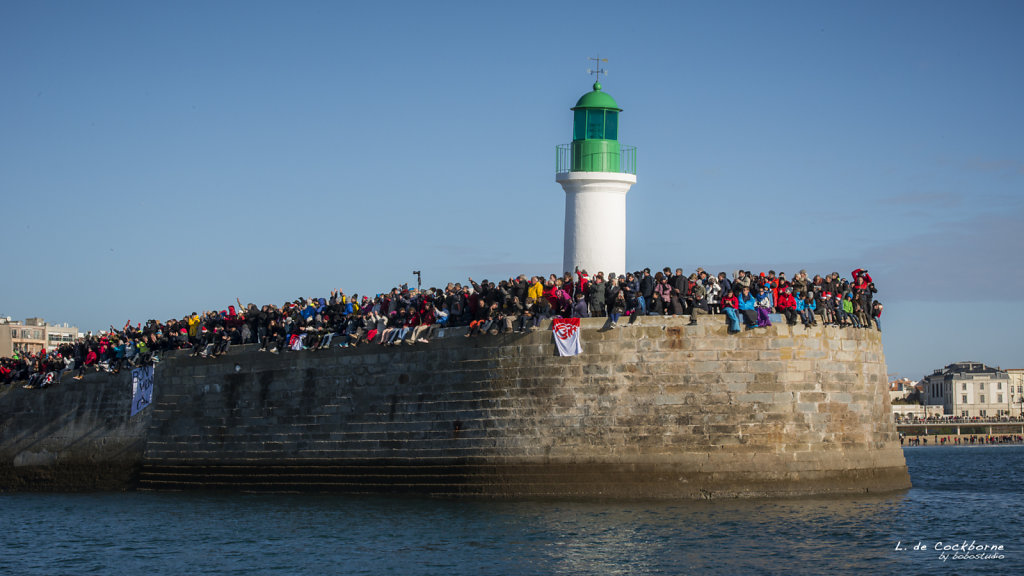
(735, 536)
(958, 494)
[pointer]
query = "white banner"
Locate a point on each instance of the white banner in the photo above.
(142, 388)
(567, 336)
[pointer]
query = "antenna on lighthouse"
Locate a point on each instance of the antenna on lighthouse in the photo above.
(597, 71)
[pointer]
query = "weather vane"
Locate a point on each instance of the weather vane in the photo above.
(598, 70)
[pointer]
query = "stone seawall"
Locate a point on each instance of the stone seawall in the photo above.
(658, 409)
(76, 435)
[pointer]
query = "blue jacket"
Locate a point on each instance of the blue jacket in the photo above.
(801, 304)
(747, 302)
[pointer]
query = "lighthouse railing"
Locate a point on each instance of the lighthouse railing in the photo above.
(626, 159)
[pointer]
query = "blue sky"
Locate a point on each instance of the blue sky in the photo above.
(158, 158)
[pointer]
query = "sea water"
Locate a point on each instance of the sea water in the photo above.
(964, 498)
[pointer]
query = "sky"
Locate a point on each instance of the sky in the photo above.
(161, 158)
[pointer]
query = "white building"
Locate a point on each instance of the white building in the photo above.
(969, 389)
(1017, 390)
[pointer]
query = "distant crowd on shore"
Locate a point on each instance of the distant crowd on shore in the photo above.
(972, 440)
(404, 316)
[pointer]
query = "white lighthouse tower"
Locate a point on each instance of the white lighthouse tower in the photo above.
(596, 172)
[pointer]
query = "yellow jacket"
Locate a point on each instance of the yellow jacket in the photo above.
(193, 325)
(535, 291)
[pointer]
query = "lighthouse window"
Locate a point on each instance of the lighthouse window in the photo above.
(595, 124)
(611, 125)
(579, 125)
(591, 124)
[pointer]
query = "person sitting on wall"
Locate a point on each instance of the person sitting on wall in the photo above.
(511, 310)
(805, 306)
(713, 290)
(564, 299)
(698, 296)
(861, 314)
(846, 310)
(787, 306)
(404, 328)
(730, 305)
(747, 307)
(580, 310)
(763, 305)
(424, 322)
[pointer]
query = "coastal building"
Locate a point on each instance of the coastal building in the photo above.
(28, 337)
(1017, 390)
(900, 389)
(32, 336)
(57, 334)
(596, 172)
(919, 411)
(969, 390)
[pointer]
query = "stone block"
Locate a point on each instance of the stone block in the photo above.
(847, 356)
(728, 377)
(811, 397)
(781, 342)
(767, 366)
(840, 397)
(732, 342)
(707, 367)
(737, 355)
(761, 397)
(765, 383)
(811, 344)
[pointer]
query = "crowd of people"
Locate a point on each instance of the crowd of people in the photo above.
(405, 316)
(962, 440)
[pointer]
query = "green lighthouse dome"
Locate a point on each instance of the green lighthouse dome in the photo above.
(597, 99)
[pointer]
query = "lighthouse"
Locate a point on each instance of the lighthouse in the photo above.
(596, 172)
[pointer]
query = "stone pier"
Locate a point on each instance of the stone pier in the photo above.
(656, 409)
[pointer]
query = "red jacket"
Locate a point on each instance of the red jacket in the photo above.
(552, 295)
(730, 301)
(426, 316)
(581, 281)
(864, 283)
(786, 300)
